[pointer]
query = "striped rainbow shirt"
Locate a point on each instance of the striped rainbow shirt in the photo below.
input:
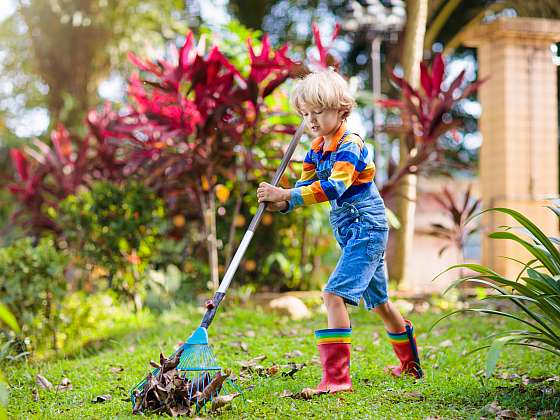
(352, 172)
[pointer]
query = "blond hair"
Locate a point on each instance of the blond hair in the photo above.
(322, 90)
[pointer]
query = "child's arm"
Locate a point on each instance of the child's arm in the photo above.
(343, 174)
(308, 177)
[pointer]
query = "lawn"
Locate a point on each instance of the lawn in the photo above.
(453, 386)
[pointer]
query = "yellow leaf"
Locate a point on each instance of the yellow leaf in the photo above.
(266, 219)
(179, 220)
(250, 265)
(222, 192)
(205, 185)
(239, 221)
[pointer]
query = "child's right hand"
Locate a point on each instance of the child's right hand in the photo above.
(280, 205)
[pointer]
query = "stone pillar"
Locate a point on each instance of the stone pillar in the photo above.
(519, 154)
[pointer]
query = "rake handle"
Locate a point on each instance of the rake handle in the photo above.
(234, 264)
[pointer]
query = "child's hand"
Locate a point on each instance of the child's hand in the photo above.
(272, 194)
(281, 205)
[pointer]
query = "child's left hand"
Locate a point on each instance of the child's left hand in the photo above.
(272, 194)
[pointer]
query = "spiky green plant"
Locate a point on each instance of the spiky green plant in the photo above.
(535, 292)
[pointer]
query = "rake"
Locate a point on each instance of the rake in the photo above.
(197, 363)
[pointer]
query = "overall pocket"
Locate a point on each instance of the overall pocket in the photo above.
(377, 241)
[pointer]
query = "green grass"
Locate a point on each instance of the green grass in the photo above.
(452, 387)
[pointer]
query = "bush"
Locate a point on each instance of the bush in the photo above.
(116, 228)
(32, 285)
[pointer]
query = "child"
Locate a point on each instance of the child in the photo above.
(338, 168)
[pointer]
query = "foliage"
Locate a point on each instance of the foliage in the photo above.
(114, 227)
(535, 292)
(425, 116)
(45, 174)
(458, 211)
(32, 285)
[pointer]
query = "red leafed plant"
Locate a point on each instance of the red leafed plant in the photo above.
(195, 121)
(426, 115)
(458, 210)
(47, 174)
(54, 173)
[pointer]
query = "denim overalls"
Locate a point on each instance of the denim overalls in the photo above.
(360, 227)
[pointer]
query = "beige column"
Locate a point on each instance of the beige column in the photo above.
(519, 155)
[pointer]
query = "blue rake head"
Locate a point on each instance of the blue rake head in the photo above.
(199, 367)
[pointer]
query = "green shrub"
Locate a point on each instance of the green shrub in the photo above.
(535, 292)
(8, 319)
(32, 285)
(116, 228)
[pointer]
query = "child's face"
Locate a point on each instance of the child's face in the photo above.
(321, 122)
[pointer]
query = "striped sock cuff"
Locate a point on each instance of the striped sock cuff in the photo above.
(402, 337)
(334, 335)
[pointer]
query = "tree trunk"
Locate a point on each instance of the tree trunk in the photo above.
(208, 202)
(232, 228)
(405, 199)
(303, 247)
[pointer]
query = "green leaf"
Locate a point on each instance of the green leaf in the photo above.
(7, 317)
(494, 354)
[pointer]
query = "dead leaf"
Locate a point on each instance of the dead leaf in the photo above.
(240, 344)
(223, 400)
(294, 368)
(250, 333)
(414, 395)
(507, 376)
(547, 390)
(65, 385)
(116, 369)
(507, 414)
(526, 380)
(252, 362)
(43, 382)
(359, 348)
(213, 387)
(495, 409)
(292, 354)
(286, 393)
(35, 394)
(304, 394)
(102, 398)
(273, 370)
(446, 343)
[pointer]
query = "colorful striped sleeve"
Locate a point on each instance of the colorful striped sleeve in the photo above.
(308, 172)
(308, 176)
(342, 176)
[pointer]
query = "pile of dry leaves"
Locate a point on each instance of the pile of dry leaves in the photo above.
(169, 392)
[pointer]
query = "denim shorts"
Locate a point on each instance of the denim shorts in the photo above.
(361, 230)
